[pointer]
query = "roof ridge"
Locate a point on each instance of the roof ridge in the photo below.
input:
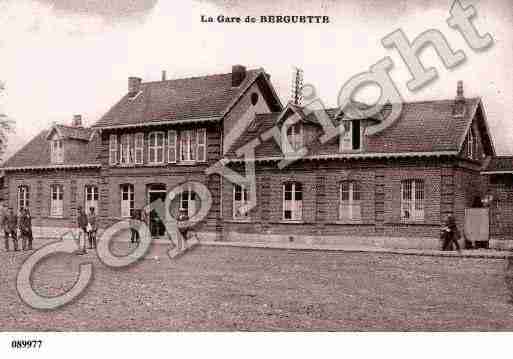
(198, 77)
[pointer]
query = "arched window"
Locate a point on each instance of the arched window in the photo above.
(127, 200)
(292, 201)
(23, 196)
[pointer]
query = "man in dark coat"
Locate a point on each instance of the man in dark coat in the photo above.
(93, 227)
(25, 225)
(450, 234)
(136, 216)
(10, 224)
(82, 224)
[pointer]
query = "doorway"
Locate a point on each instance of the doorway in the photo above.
(155, 193)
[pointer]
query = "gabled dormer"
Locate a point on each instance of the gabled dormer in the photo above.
(66, 141)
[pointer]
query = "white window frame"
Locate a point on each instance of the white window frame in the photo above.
(113, 149)
(294, 205)
(346, 139)
(172, 139)
(154, 149)
(23, 196)
(188, 145)
(188, 202)
(125, 149)
(56, 200)
(238, 203)
(412, 200)
(91, 198)
(139, 148)
(294, 138)
(201, 144)
(350, 209)
(127, 205)
(57, 151)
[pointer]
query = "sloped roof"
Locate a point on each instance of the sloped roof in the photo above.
(423, 127)
(36, 154)
(500, 164)
(180, 99)
(77, 133)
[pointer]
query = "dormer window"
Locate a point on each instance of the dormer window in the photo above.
(472, 145)
(351, 139)
(294, 138)
(57, 151)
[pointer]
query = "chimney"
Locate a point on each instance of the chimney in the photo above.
(77, 121)
(459, 101)
(134, 85)
(238, 75)
(164, 75)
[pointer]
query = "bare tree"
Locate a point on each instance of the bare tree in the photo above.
(6, 125)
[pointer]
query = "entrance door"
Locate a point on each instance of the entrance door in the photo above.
(157, 228)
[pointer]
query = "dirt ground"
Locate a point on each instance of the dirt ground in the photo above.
(228, 289)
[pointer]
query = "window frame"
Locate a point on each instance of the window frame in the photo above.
(191, 199)
(294, 205)
(415, 204)
(139, 148)
(25, 189)
(188, 146)
(243, 201)
(353, 203)
(57, 204)
(113, 149)
(93, 202)
(294, 140)
(154, 148)
(57, 152)
(125, 149)
(130, 194)
(172, 146)
(347, 140)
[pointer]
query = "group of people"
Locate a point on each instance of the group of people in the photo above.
(16, 226)
(88, 224)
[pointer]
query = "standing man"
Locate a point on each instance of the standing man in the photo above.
(451, 234)
(25, 226)
(10, 227)
(82, 224)
(93, 227)
(136, 216)
(30, 234)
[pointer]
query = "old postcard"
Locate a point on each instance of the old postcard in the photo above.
(254, 166)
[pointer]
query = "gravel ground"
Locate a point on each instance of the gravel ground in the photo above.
(226, 289)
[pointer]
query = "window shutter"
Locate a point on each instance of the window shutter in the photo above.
(202, 145)
(192, 136)
(113, 149)
(139, 148)
(171, 146)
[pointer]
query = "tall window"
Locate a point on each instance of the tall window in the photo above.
(171, 146)
(240, 199)
(294, 137)
(156, 147)
(350, 140)
(57, 151)
(23, 197)
(125, 149)
(292, 201)
(113, 149)
(471, 144)
(56, 200)
(127, 200)
(139, 148)
(91, 198)
(350, 201)
(193, 145)
(412, 200)
(188, 202)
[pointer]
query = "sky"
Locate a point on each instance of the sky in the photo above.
(65, 57)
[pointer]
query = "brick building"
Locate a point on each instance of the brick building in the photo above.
(393, 187)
